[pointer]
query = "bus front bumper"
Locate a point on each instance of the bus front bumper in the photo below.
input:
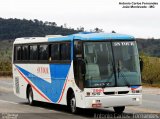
(113, 101)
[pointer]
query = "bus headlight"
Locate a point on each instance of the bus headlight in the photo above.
(136, 91)
(94, 101)
(137, 99)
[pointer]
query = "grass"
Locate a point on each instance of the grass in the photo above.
(6, 50)
(6, 45)
(6, 57)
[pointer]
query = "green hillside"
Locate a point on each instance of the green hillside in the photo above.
(150, 47)
(15, 28)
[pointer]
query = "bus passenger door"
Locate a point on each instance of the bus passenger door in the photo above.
(78, 64)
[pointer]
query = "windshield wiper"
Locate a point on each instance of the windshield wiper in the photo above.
(123, 76)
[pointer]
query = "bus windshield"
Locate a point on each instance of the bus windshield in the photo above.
(109, 64)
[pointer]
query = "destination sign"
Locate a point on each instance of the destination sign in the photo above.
(123, 43)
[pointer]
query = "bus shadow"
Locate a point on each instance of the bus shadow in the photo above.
(89, 113)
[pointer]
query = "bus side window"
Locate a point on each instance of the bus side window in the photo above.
(25, 52)
(33, 52)
(55, 55)
(43, 52)
(17, 56)
(65, 50)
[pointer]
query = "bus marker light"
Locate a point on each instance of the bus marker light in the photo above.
(88, 93)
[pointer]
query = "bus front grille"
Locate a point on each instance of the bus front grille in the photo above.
(119, 92)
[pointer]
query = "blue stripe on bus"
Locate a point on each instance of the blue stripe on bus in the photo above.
(52, 90)
(92, 36)
(103, 36)
(61, 38)
(135, 87)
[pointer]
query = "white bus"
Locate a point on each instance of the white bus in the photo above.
(84, 70)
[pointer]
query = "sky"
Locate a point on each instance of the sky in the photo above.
(104, 14)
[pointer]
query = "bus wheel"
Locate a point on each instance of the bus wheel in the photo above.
(119, 110)
(30, 96)
(72, 105)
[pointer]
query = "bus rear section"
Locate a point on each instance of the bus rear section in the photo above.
(90, 70)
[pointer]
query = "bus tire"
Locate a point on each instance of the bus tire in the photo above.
(119, 110)
(72, 104)
(30, 96)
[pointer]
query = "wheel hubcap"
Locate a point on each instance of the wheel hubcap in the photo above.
(30, 97)
(73, 104)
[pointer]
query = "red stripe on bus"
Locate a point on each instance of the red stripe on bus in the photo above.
(63, 90)
(34, 87)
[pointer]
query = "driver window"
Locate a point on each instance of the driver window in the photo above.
(90, 53)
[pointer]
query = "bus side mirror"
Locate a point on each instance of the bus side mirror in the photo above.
(141, 64)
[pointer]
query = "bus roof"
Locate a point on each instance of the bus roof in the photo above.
(85, 36)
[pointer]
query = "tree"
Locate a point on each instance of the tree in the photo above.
(113, 32)
(151, 69)
(98, 30)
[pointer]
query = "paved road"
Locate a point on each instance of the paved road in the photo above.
(12, 106)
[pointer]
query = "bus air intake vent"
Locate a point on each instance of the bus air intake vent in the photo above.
(109, 93)
(119, 92)
(123, 92)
